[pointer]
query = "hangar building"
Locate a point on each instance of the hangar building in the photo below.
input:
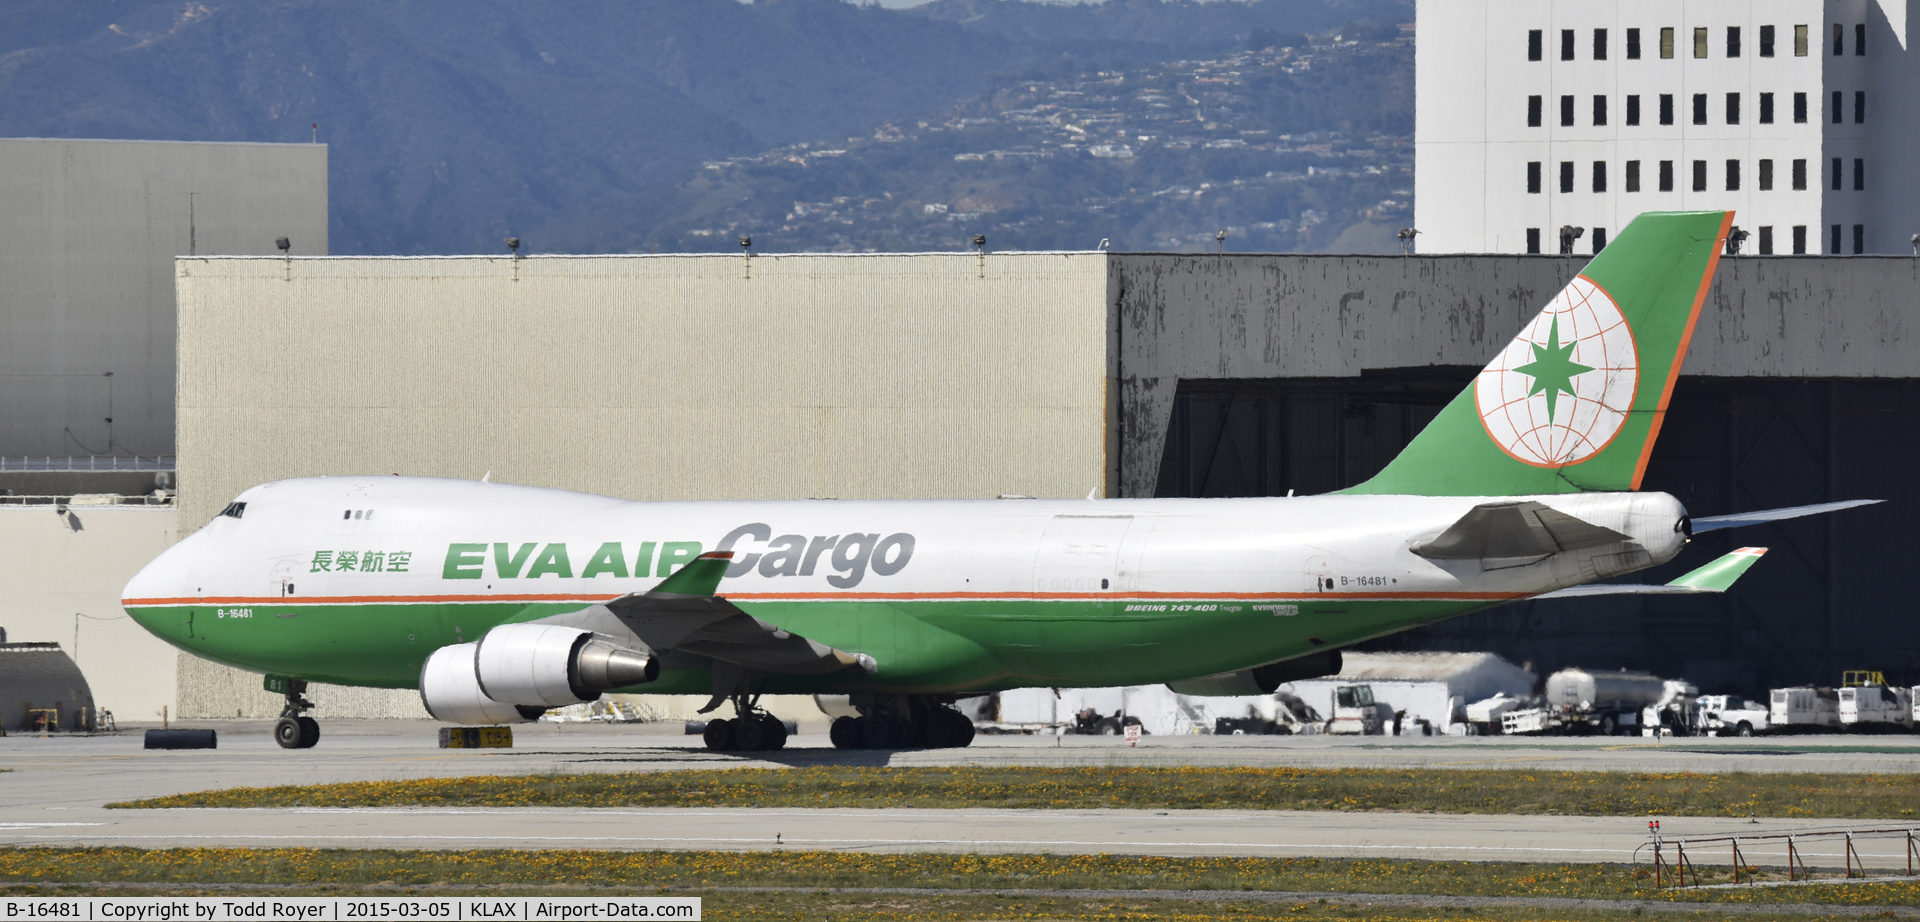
(976, 375)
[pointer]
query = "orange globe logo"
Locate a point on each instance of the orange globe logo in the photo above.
(1561, 390)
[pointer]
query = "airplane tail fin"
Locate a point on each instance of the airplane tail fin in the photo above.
(1575, 401)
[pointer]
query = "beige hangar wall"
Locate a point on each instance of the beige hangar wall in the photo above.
(647, 377)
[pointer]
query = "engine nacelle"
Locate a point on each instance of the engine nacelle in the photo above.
(450, 689)
(1260, 680)
(547, 665)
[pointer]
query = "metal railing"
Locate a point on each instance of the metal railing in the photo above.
(90, 500)
(86, 463)
(1681, 867)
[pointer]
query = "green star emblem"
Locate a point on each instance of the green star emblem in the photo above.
(1553, 369)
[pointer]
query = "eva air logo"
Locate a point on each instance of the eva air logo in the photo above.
(1561, 390)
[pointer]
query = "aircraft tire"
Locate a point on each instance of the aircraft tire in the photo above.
(845, 733)
(749, 734)
(773, 733)
(939, 731)
(719, 735)
(309, 732)
(877, 733)
(963, 730)
(287, 732)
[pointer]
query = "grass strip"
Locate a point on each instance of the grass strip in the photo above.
(1566, 793)
(692, 870)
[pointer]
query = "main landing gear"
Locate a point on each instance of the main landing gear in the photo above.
(295, 730)
(903, 722)
(753, 730)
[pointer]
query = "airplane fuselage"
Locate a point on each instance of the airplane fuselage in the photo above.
(356, 580)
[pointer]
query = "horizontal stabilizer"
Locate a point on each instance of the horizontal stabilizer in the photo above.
(1717, 522)
(1716, 576)
(1514, 534)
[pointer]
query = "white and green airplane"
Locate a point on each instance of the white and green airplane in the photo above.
(499, 602)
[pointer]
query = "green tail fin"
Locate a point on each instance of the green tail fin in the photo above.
(1575, 402)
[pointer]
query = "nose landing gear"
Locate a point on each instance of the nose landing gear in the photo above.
(295, 730)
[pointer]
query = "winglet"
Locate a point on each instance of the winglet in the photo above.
(700, 577)
(1719, 574)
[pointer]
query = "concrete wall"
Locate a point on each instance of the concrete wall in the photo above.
(87, 251)
(55, 565)
(1337, 316)
(647, 377)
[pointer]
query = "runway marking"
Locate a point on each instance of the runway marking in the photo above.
(41, 825)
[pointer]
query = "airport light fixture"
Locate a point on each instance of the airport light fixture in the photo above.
(1405, 236)
(513, 245)
(1568, 234)
(1735, 238)
(1220, 240)
(284, 244)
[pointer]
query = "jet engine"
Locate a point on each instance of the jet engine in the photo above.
(518, 671)
(1260, 680)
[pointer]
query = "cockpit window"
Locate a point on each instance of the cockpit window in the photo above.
(235, 510)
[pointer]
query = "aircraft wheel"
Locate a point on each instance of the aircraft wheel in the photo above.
(845, 733)
(962, 730)
(287, 732)
(877, 733)
(939, 731)
(309, 732)
(773, 732)
(749, 734)
(719, 735)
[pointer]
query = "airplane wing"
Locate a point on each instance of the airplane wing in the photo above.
(1717, 522)
(683, 614)
(1716, 576)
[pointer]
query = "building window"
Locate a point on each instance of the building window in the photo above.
(1599, 240)
(1633, 44)
(1599, 44)
(1766, 240)
(1599, 110)
(1566, 44)
(1859, 239)
(1534, 43)
(1699, 176)
(1700, 43)
(1566, 110)
(1800, 51)
(1766, 41)
(1533, 177)
(1835, 234)
(1800, 108)
(1859, 50)
(1733, 41)
(1799, 240)
(1533, 112)
(1699, 108)
(1566, 175)
(1766, 108)
(1633, 110)
(1533, 241)
(1666, 43)
(1839, 40)
(1766, 175)
(1836, 174)
(1666, 176)
(1859, 175)
(1836, 107)
(1799, 176)
(1733, 108)
(1666, 108)
(1633, 176)
(1859, 107)
(1733, 176)
(1599, 176)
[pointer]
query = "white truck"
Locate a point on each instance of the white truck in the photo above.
(1874, 708)
(1731, 715)
(1802, 709)
(1355, 713)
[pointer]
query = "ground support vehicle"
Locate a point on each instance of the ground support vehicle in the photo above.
(1803, 709)
(1730, 715)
